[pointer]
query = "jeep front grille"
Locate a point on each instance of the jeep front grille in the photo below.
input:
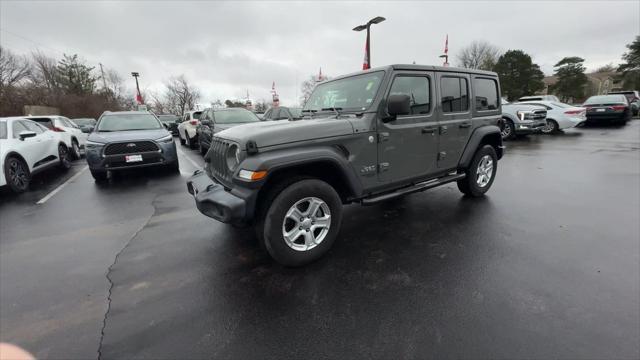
(132, 147)
(218, 159)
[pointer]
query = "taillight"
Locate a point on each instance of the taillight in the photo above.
(193, 122)
(618, 107)
(57, 129)
(573, 112)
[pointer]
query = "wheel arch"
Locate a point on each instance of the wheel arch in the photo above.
(485, 135)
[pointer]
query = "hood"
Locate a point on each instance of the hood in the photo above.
(523, 107)
(220, 127)
(133, 135)
(269, 133)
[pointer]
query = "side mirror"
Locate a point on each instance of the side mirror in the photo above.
(85, 129)
(205, 122)
(398, 105)
(26, 134)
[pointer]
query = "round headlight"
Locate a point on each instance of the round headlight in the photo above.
(233, 157)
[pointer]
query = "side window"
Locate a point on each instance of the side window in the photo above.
(33, 126)
(267, 115)
(455, 94)
(16, 128)
(486, 94)
(417, 88)
(186, 117)
(275, 114)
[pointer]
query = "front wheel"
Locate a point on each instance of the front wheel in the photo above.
(65, 157)
(480, 173)
(302, 222)
(75, 149)
(508, 130)
(551, 127)
(99, 175)
(17, 175)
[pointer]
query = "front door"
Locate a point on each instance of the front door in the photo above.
(408, 145)
(454, 125)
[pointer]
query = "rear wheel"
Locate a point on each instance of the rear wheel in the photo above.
(302, 222)
(508, 130)
(201, 149)
(17, 174)
(480, 173)
(551, 127)
(182, 141)
(65, 157)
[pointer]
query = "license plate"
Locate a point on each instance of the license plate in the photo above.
(601, 110)
(132, 158)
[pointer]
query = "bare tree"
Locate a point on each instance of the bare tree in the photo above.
(478, 55)
(13, 69)
(156, 102)
(114, 83)
(308, 86)
(180, 96)
(44, 73)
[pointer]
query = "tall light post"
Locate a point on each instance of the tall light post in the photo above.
(138, 95)
(366, 64)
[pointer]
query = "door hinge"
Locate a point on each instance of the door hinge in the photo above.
(383, 136)
(442, 155)
(443, 129)
(383, 167)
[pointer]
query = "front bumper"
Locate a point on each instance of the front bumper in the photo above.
(214, 201)
(529, 127)
(605, 116)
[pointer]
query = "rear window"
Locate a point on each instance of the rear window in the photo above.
(3, 129)
(486, 94)
(196, 115)
(125, 122)
(607, 99)
(43, 121)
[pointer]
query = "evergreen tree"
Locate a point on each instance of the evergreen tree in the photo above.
(571, 79)
(519, 76)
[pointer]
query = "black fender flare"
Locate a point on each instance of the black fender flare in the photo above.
(478, 137)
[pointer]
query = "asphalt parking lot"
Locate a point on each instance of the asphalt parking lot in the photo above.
(546, 266)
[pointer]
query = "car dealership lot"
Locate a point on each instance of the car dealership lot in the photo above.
(546, 265)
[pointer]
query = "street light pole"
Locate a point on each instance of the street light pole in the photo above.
(138, 95)
(367, 58)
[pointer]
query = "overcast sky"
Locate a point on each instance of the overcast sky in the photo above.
(227, 48)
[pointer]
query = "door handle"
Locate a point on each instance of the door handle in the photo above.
(464, 125)
(428, 130)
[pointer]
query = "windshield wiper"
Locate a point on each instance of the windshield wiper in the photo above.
(336, 109)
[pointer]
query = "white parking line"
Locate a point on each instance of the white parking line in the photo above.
(195, 164)
(61, 186)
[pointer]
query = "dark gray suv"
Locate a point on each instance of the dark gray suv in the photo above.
(364, 138)
(129, 139)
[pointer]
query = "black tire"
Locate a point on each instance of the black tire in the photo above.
(201, 149)
(552, 127)
(75, 149)
(273, 222)
(64, 155)
(508, 130)
(469, 185)
(99, 175)
(17, 174)
(182, 141)
(192, 141)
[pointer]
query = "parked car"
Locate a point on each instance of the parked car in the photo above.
(539, 98)
(560, 116)
(170, 122)
(608, 108)
(86, 125)
(521, 119)
(129, 139)
(633, 97)
(212, 121)
(187, 128)
(283, 113)
(70, 132)
(26, 148)
(368, 137)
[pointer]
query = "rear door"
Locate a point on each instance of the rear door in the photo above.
(454, 125)
(37, 146)
(407, 146)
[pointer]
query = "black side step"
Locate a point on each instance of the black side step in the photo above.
(414, 188)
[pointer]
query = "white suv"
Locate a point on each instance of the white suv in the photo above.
(70, 132)
(187, 128)
(27, 147)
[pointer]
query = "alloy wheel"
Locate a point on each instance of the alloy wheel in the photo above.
(484, 171)
(306, 224)
(18, 174)
(506, 130)
(63, 155)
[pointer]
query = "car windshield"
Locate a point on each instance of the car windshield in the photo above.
(83, 122)
(351, 93)
(606, 99)
(234, 116)
(167, 118)
(124, 122)
(296, 112)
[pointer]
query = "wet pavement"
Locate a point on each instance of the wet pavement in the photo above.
(547, 265)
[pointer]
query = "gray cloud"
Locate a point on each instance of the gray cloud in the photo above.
(227, 48)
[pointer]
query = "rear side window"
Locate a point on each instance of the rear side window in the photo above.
(16, 128)
(417, 88)
(33, 126)
(486, 94)
(455, 94)
(3, 129)
(47, 122)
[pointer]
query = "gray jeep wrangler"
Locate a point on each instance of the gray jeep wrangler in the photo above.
(364, 138)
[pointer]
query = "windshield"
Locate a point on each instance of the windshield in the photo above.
(296, 113)
(351, 93)
(606, 99)
(167, 118)
(82, 122)
(234, 116)
(123, 122)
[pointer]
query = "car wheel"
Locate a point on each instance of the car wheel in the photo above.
(99, 175)
(302, 222)
(192, 141)
(551, 127)
(201, 149)
(480, 173)
(182, 141)
(17, 174)
(75, 149)
(508, 130)
(65, 157)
